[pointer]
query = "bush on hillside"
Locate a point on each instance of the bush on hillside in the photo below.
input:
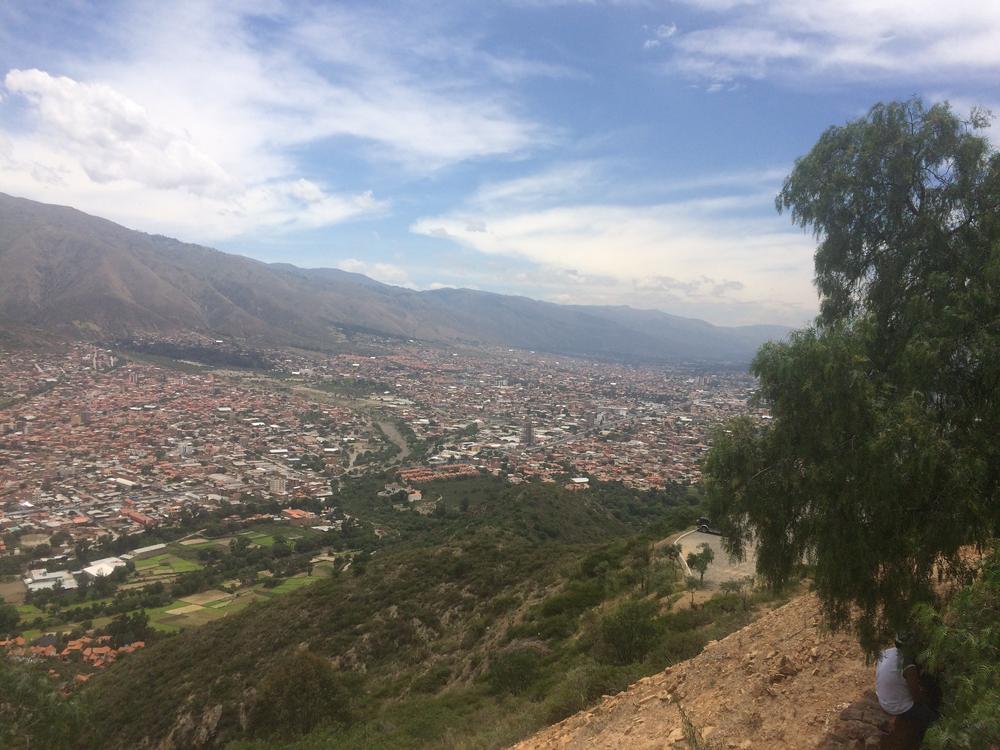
(629, 632)
(301, 691)
(515, 670)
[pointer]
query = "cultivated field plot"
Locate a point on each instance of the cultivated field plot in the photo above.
(199, 542)
(12, 591)
(289, 585)
(206, 597)
(180, 614)
(165, 564)
(259, 538)
(189, 609)
(71, 609)
(29, 611)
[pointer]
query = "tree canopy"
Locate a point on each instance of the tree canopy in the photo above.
(881, 460)
(700, 560)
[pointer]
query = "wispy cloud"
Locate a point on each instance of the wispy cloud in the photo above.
(206, 111)
(844, 41)
(710, 256)
(658, 35)
(91, 146)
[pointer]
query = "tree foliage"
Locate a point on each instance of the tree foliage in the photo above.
(9, 618)
(514, 671)
(32, 712)
(630, 631)
(880, 460)
(300, 692)
(700, 560)
(963, 647)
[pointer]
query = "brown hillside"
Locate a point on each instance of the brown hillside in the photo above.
(65, 270)
(781, 683)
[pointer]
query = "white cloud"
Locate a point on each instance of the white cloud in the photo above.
(333, 72)
(846, 40)
(112, 136)
(712, 257)
(660, 34)
(197, 118)
(562, 179)
(101, 151)
(387, 273)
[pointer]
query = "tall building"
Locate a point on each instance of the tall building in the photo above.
(277, 485)
(528, 434)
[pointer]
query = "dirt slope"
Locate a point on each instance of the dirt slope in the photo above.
(780, 683)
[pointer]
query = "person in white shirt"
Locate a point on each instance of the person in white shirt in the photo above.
(898, 688)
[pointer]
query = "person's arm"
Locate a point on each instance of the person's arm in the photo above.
(912, 676)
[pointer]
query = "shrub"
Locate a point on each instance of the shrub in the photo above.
(514, 671)
(578, 596)
(582, 686)
(629, 632)
(432, 680)
(300, 692)
(677, 646)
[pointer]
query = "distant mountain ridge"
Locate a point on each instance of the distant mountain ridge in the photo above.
(62, 268)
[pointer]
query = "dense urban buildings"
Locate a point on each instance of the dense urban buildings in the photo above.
(96, 442)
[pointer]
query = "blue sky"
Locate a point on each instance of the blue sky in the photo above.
(580, 152)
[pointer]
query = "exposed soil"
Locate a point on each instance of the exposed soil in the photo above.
(781, 683)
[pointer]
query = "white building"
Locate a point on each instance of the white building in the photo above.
(43, 579)
(105, 567)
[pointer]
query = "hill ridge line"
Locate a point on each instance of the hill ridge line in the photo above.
(69, 271)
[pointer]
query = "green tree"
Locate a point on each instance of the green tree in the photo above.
(700, 560)
(128, 628)
(738, 587)
(880, 461)
(9, 618)
(32, 712)
(691, 584)
(963, 647)
(630, 631)
(515, 670)
(299, 692)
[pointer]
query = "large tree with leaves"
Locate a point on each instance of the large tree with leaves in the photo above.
(882, 458)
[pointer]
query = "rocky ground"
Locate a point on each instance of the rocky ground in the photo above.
(781, 683)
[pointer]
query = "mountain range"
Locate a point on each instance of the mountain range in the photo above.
(66, 270)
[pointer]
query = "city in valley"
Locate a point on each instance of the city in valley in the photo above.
(131, 480)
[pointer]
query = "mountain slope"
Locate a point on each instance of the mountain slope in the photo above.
(779, 683)
(64, 268)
